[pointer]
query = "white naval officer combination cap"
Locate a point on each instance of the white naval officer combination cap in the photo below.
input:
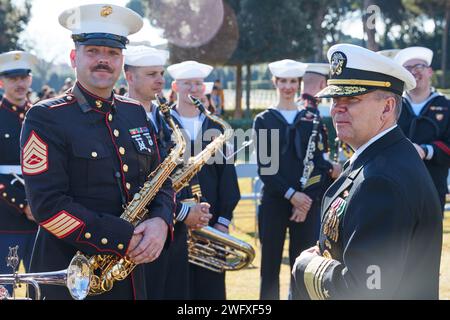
(287, 68)
(318, 68)
(410, 53)
(16, 63)
(101, 24)
(355, 70)
(145, 56)
(189, 70)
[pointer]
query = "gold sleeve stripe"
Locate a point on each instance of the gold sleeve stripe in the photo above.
(312, 282)
(71, 227)
(319, 278)
(62, 225)
(56, 221)
(313, 180)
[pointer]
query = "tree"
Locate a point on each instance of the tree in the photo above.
(439, 11)
(12, 22)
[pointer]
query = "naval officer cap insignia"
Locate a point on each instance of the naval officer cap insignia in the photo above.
(355, 71)
(144, 56)
(420, 53)
(16, 63)
(101, 25)
(287, 69)
(189, 70)
(319, 68)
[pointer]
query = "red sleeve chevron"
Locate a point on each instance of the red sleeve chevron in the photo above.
(62, 225)
(34, 156)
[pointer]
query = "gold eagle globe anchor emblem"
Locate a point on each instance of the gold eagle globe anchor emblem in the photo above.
(106, 11)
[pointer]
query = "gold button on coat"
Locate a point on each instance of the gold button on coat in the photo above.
(87, 235)
(120, 246)
(110, 117)
(104, 241)
(116, 133)
(128, 186)
(122, 150)
(125, 168)
(94, 154)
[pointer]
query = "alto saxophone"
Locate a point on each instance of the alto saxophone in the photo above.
(109, 268)
(308, 164)
(208, 247)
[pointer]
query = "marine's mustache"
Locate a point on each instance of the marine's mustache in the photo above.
(101, 67)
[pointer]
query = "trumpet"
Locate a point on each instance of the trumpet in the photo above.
(76, 278)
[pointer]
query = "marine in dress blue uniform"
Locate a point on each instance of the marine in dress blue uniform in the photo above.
(276, 210)
(218, 183)
(85, 156)
(16, 222)
(381, 219)
(425, 117)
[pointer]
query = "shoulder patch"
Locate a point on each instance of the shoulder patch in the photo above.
(34, 155)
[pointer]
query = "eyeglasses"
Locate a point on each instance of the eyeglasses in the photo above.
(417, 67)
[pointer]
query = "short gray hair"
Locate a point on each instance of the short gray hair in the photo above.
(383, 94)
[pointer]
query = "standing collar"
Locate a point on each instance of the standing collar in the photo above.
(18, 110)
(89, 101)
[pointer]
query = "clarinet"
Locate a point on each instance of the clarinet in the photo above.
(337, 147)
(308, 164)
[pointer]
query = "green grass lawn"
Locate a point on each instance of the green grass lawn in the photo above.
(244, 284)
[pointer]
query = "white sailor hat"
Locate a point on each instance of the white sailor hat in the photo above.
(144, 56)
(287, 69)
(410, 53)
(16, 63)
(208, 87)
(390, 53)
(355, 71)
(101, 24)
(319, 68)
(189, 70)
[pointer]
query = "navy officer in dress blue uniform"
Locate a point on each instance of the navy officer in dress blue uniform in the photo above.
(86, 153)
(425, 118)
(284, 131)
(218, 183)
(17, 225)
(168, 276)
(381, 231)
